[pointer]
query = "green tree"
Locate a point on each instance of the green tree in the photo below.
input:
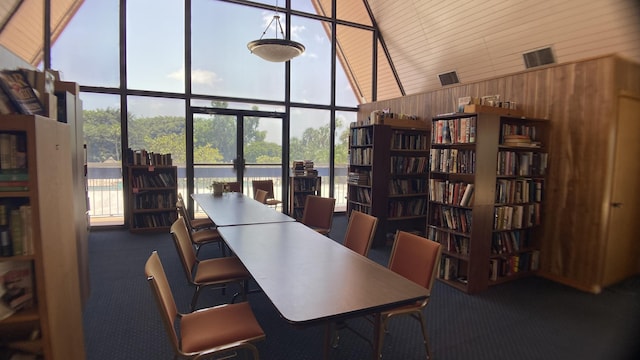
(175, 145)
(262, 152)
(102, 134)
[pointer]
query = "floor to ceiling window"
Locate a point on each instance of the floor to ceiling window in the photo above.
(147, 98)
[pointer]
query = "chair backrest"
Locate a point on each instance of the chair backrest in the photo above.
(416, 258)
(184, 246)
(360, 231)
(261, 196)
(184, 213)
(234, 186)
(266, 185)
(157, 279)
(318, 211)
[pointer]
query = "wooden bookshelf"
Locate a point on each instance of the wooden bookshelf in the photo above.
(485, 199)
(388, 171)
(152, 193)
(52, 325)
(299, 188)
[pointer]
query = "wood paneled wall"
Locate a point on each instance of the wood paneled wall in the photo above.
(579, 99)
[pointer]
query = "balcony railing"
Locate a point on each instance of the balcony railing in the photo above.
(106, 193)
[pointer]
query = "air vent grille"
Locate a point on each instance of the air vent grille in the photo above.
(538, 58)
(448, 78)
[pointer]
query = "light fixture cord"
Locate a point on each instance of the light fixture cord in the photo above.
(276, 17)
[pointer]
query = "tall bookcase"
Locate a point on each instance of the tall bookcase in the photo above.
(52, 325)
(486, 185)
(300, 187)
(152, 193)
(388, 171)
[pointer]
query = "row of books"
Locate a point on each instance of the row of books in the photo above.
(516, 216)
(452, 218)
(502, 267)
(363, 195)
(17, 280)
(16, 234)
(14, 180)
(451, 192)
(518, 191)
(303, 168)
(518, 129)
(450, 242)
(412, 207)
(512, 163)
(455, 161)
(360, 156)
(361, 137)
(154, 200)
(306, 185)
(17, 95)
(144, 157)
(450, 269)
(408, 141)
(13, 153)
(408, 164)
(508, 242)
(407, 186)
(155, 180)
(362, 177)
(454, 131)
(360, 207)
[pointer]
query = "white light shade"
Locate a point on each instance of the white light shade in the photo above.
(276, 50)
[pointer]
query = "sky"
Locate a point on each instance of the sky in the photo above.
(87, 53)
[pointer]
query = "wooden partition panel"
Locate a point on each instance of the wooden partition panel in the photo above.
(579, 99)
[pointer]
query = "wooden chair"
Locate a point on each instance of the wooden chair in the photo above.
(234, 186)
(318, 213)
(360, 231)
(417, 259)
(266, 185)
(210, 272)
(215, 330)
(261, 196)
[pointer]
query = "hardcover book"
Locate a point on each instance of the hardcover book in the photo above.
(20, 92)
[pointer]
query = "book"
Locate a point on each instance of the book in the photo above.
(20, 93)
(16, 287)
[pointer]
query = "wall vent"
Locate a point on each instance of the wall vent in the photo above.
(448, 78)
(538, 58)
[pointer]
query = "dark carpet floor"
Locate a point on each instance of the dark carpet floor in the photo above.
(531, 318)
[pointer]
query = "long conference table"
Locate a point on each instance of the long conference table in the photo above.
(309, 278)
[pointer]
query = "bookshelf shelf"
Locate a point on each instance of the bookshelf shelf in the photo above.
(485, 198)
(387, 176)
(152, 193)
(50, 257)
(299, 188)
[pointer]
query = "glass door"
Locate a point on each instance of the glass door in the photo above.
(238, 146)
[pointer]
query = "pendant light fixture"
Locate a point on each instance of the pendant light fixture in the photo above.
(275, 49)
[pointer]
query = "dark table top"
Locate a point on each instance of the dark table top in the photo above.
(310, 278)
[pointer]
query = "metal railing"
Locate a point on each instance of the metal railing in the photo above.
(106, 191)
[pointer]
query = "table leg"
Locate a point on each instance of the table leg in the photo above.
(377, 324)
(326, 346)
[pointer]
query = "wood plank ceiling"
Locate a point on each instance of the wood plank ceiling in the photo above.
(482, 40)
(21, 25)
